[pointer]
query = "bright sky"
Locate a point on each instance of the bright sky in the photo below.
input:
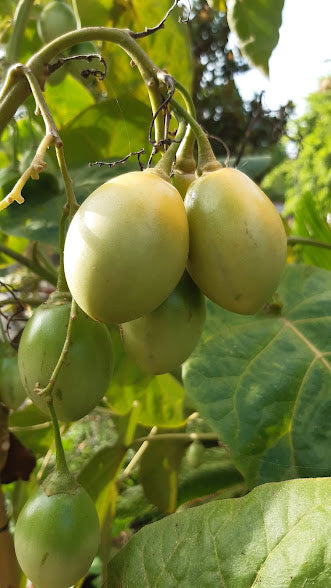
(299, 59)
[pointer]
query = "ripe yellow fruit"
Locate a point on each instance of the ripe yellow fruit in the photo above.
(126, 247)
(237, 240)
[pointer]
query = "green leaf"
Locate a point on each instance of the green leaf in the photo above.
(159, 467)
(107, 131)
(256, 23)
(160, 398)
(278, 535)
(59, 99)
(309, 222)
(263, 382)
(214, 476)
(101, 469)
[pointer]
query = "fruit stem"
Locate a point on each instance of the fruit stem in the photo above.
(62, 285)
(185, 160)
(165, 165)
(61, 462)
(207, 161)
(47, 391)
(20, 20)
(44, 273)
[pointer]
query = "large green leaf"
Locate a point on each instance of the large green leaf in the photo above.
(111, 129)
(256, 23)
(278, 535)
(263, 382)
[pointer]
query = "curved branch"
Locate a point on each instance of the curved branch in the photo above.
(17, 89)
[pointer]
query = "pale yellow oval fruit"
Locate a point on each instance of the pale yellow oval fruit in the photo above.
(126, 247)
(237, 240)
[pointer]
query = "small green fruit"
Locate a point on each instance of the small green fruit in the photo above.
(57, 537)
(162, 340)
(86, 371)
(56, 19)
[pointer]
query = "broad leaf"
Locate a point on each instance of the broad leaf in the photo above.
(278, 535)
(101, 469)
(256, 24)
(263, 382)
(159, 467)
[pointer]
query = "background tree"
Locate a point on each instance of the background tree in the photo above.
(244, 127)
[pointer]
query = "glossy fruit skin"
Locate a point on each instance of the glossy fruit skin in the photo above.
(12, 393)
(182, 181)
(126, 247)
(57, 537)
(237, 241)
(162, 340)
(87, 369)
(56, 19)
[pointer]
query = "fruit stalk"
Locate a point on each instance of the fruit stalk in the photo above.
(207, 161)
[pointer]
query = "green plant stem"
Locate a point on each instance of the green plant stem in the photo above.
(41, 260)
(61, 463)
(48, 390)
(184, 437)
(185, 156)
(72, 204)
(20, 20)
(16, 89)
(165, 164)
(206, 159)
(44, 273)
(62, 285)
(292, 240)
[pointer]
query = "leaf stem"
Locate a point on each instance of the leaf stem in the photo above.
(38, 269)
(184, 437)
(48, 390)
(61, 462)
(206, 159)
(292, 240)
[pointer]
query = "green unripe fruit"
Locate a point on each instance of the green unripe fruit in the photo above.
(162, 340)
(86, 371)
(126, 247)
(237, 240)
(56, 19)
(57, 537)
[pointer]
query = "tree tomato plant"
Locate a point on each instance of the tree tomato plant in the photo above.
(204, 403)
